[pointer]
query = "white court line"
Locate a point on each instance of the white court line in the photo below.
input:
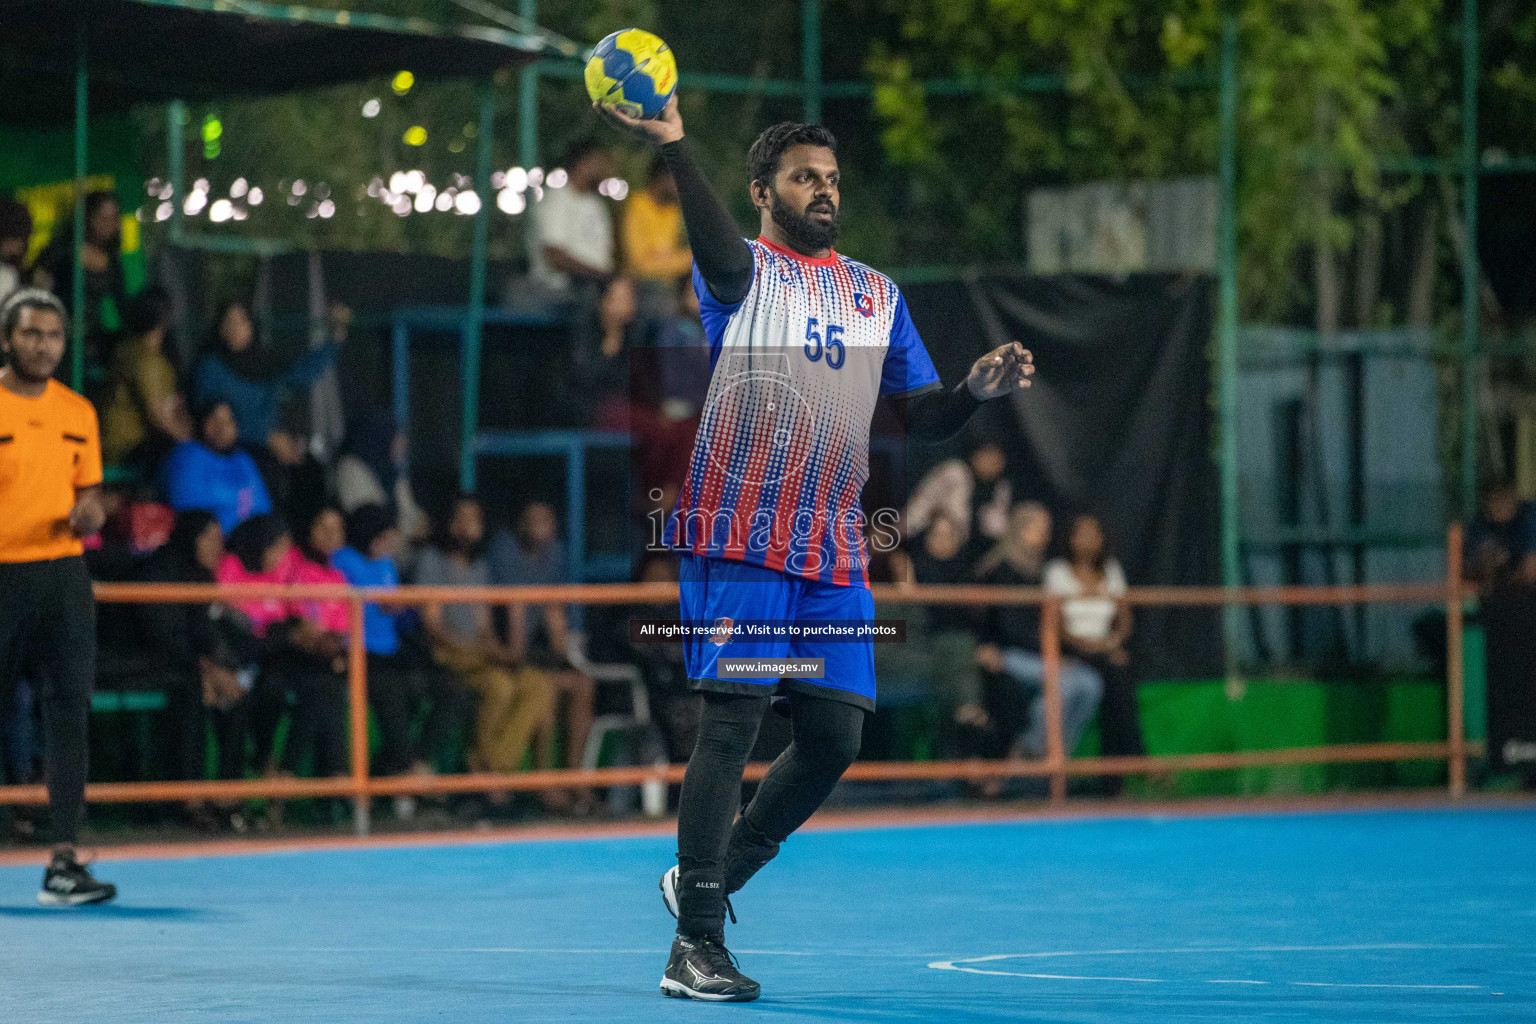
(1362, 947)
(1049, 977)
(1346, 984)
(958, 964)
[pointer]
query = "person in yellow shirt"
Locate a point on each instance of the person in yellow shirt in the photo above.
(656, 250)
(50, 490)
(146, 416)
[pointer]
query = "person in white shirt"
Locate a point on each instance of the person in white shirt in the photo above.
(371, 471)
(572, 239)
(975, 492)
(1095, 625)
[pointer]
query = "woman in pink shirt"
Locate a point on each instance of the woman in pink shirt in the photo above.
(306, 657)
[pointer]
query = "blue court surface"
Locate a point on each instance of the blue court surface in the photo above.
(1330, 917)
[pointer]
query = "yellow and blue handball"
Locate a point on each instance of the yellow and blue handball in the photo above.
(632, 71)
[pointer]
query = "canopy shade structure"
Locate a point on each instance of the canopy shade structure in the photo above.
(65, 61)
(152, 51)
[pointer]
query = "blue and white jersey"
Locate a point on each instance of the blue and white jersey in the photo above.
(782, 451)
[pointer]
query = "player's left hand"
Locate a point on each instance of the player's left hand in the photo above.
(659, 130)
(1002, 371)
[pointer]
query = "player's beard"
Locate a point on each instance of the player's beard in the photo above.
(804, 234)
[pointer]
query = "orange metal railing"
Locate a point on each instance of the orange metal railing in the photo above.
(1057, 766)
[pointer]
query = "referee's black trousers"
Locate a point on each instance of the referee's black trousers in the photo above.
(48, 633)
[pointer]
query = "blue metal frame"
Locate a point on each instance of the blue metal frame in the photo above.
(408, 321)
(573, 445)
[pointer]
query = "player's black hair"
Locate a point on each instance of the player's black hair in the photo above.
(27, 298)
(763, 157)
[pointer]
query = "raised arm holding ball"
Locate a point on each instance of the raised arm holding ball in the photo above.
(768, 524)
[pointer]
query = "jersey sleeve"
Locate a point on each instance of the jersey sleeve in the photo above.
(713, 313)
(907, 368)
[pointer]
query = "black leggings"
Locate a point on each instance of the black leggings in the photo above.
(48, 630)
(713, 857)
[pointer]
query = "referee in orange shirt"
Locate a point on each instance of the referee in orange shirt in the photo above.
(50, 497)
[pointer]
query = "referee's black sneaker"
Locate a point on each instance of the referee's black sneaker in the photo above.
(702, 968)
(67, 883)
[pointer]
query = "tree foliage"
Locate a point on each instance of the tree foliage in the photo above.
(1328, 87)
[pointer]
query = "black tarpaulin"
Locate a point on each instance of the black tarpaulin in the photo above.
(151, 51)
(1118, 423)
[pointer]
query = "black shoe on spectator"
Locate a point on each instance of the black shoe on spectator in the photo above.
(702, 968)
(67, 883)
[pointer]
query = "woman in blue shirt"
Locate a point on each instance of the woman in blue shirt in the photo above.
(251, 380)
(401, 674)
(209, 472)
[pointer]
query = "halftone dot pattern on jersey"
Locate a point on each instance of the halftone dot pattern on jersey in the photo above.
(782, 450)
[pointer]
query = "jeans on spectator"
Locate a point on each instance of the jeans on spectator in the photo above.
(1081, 690)
(397, 684)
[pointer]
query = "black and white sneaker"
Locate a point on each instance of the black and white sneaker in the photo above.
(669, 893)
(67, 883)
(669, 889)
(705, 969)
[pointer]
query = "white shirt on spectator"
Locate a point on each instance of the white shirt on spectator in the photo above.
(949, 488)
(10, 281)
(1087, 616)
(577, 222)
(358, 485)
